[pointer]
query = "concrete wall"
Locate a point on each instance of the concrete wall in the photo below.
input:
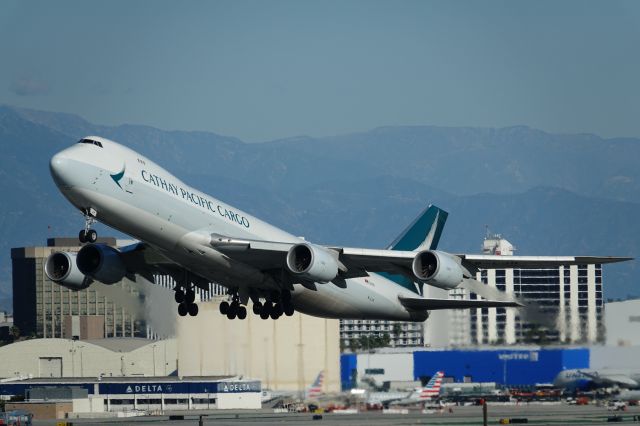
(615, 357)
(83, 359)
(42, 410)
(286, 354)
(397, 367)
(249, 400)
(86, 327)
(622, 323)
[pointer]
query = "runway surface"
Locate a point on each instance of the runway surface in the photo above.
(536, 414)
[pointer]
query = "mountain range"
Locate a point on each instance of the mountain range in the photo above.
(549, 194)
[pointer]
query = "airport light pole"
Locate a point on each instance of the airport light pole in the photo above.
(81, 359)
(154, 359)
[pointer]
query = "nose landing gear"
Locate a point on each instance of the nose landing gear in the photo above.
(88, 235)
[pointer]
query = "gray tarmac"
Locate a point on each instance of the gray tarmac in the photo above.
(535, 413)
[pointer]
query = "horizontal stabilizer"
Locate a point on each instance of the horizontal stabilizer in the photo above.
(422, 304)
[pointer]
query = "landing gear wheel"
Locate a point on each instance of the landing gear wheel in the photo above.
(288, 309)
(275, 315)
(266, 308)
(224, 307)
(193, 309)
(278, 309)
(233, 310)
(92, 236)
(182, 309)
(242, 312)
(264, 315)
(257, 308)
(190, 296)
(87, 235)
(179, 296)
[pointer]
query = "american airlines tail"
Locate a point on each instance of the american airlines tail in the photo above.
(432, 390)
(315, 390)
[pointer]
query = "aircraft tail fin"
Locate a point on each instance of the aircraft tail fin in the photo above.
(315, 390)
(432, 389)
(423, 233)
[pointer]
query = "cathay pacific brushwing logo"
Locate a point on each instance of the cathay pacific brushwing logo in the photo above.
(118, 176)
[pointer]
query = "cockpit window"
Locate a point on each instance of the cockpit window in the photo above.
(90, 141)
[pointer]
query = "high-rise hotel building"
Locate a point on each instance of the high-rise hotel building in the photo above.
(43, 308)
(564, 305)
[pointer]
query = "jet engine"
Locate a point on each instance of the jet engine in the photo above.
(438, 269)
(312, 262)
(61, 268)
(102, 263)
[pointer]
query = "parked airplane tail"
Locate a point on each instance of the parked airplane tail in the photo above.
(432, 390)
(315, 390)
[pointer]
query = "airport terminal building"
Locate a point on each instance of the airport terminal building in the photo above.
(510, 366)
(147, 394)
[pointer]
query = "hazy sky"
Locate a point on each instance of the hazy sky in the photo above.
(262, 70)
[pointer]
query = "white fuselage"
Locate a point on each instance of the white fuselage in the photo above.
(148, 203)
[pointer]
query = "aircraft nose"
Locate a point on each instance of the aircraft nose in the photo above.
(60, 168)
(558, 381)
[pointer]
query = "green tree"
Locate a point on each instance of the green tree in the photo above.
(15, 333)
(365, 342)
(536, 335)
(397, 329)
(386, 339)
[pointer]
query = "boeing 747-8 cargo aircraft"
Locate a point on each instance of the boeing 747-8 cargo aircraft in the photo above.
(198, 239)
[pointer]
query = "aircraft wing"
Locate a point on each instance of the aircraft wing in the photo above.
(478, 261)
(359, 261)
(612, 379)
(267, 255)
(430, 304)
(142, 259)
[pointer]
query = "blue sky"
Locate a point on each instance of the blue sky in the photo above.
(262, 70)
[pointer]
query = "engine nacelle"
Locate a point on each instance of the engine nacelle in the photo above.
(312, 262)
(438, 269)
(101, 262)
(61, 268)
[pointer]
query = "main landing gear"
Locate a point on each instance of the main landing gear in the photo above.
(88, 235)
(233, 309)
(273, 307)
(186, 302)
